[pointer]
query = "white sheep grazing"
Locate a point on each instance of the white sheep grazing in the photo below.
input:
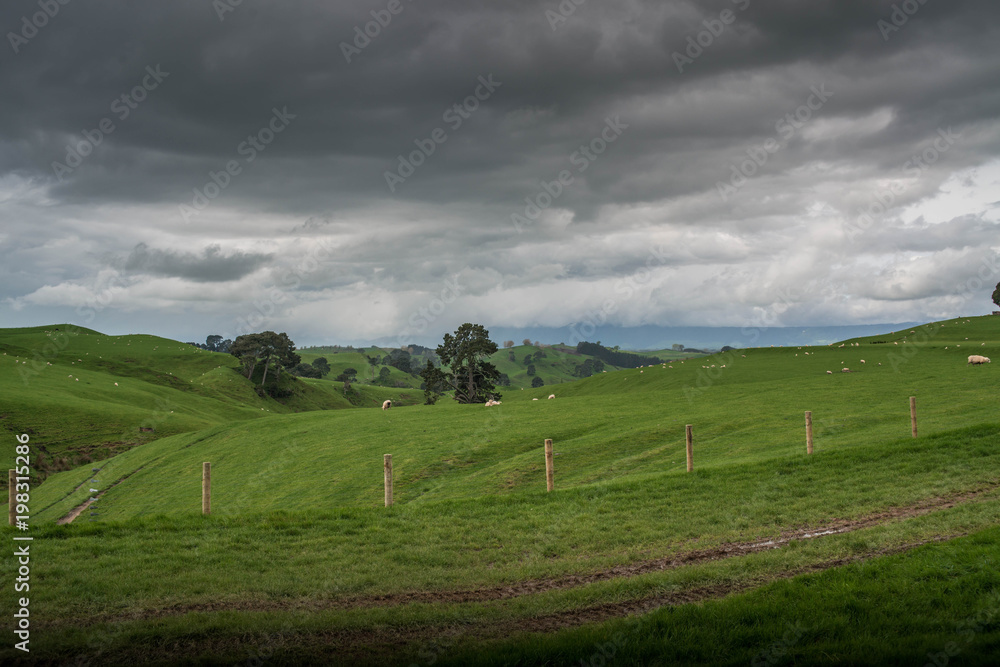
(552, 395)
(977, 359)
(845, 370)
(829, 372)
(862, 361)
(534, 399)
(386, 404)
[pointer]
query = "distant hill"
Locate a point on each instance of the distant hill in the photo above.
(83, 396)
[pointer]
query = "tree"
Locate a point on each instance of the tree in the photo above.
(349, 374)
(435, 383)
(372, 363)
(322, 365)
(400, 359)
(306, 371)
(537, 382)
(508, 343)
(996, 295)
(266, 349)
(212, 342)
(383, 375)
(531, 370)
(676, 347)
(504, 380)
(527, 359)
(526, 341)
(465, 354)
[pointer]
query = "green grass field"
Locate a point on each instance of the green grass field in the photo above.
(879, 548)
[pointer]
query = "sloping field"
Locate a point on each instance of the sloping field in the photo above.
(762, 553)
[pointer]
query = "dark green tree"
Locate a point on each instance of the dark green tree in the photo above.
(996, 295)
(465, 353)
(531, 370)
(372, 363)
(322, 365)
(435, 383)
(537, 382)
(267, 350)
(400, 359)
(383, 375)
(306, 371)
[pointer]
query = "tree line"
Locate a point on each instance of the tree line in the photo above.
(615, 357)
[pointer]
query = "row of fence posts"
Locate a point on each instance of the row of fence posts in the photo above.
(206, 467)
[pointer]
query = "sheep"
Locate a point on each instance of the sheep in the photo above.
(386, 404)
(534, 399)
(552, 395)
(977, 359)
(845, 370)
(862, 361)
(829, 372)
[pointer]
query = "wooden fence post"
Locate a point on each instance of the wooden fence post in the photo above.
(913, 415)
(12, 496)
(549, 472)
(688, 439)
(387, 466)
(809, 432)
(206, 488)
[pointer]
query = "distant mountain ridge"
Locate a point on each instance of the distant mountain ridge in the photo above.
(651, 337)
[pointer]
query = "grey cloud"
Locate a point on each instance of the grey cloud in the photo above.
(211, 265)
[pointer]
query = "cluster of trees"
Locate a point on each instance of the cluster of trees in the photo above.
(263, 354)
(615, 357)
(319, 368)
(215, 343)
(588, 368)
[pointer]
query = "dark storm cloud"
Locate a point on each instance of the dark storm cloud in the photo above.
(179, 102)
(211, 265)
(353, 119)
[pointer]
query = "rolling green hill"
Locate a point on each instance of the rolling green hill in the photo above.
(874, 549)
(744, 405)
(84, 396)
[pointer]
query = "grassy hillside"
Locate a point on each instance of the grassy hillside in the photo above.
(84, 396)
(623, 423)
(556, 367)
(853, 547)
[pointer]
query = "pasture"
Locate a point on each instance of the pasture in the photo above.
(878, 547)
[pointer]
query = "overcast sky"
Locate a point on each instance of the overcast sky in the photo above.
(357, 170)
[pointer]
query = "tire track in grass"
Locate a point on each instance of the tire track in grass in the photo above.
(77, 511)
(384, 644)
(530, 587)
